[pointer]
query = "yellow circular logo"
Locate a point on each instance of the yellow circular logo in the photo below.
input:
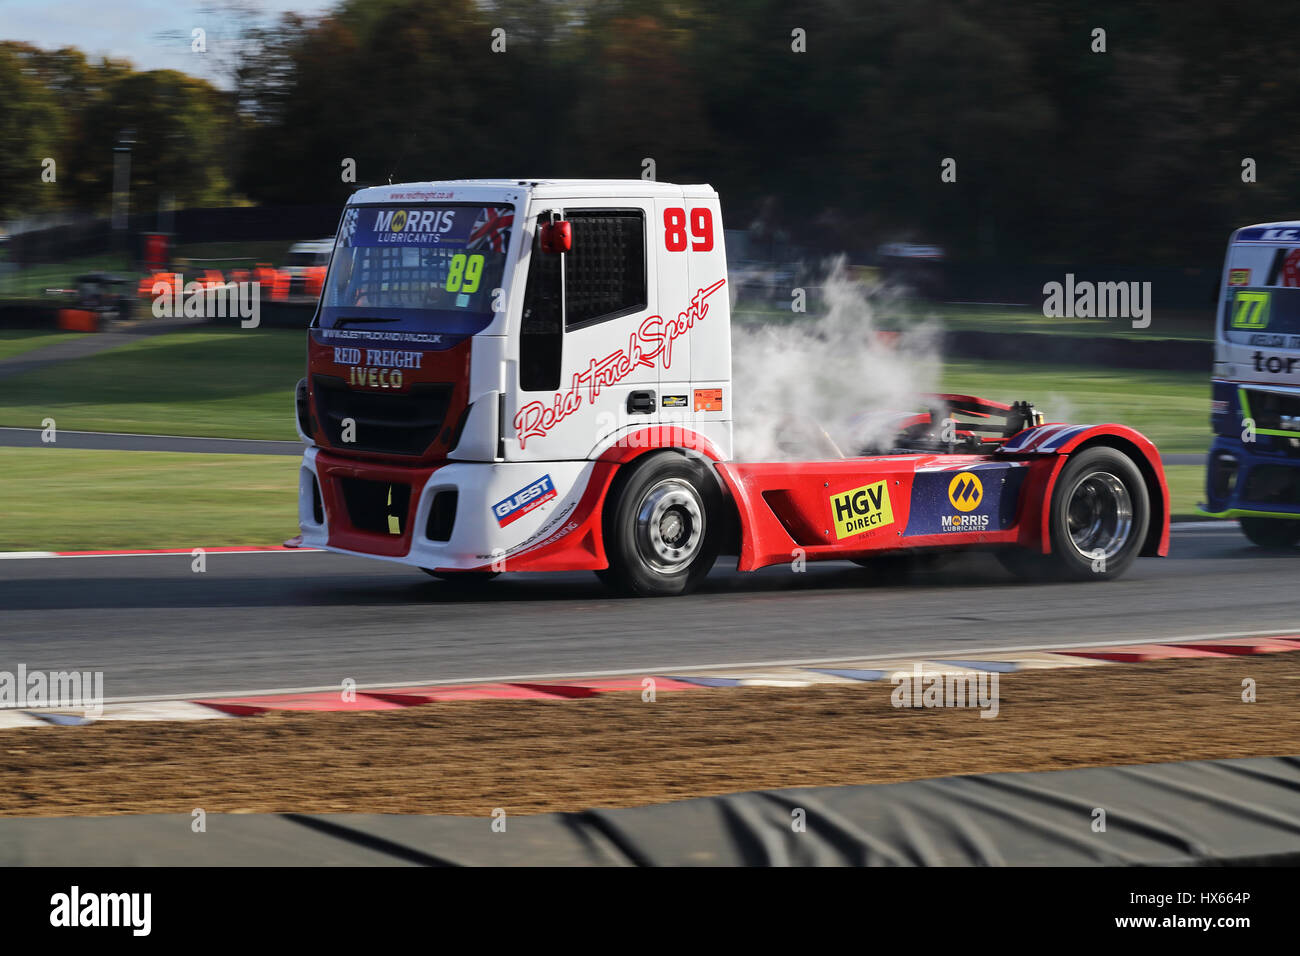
(965, 491)
(399, 220)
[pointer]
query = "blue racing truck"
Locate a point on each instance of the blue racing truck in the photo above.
(1253, 473)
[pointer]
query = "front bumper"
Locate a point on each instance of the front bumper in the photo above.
(451, 516)
(1259, 479)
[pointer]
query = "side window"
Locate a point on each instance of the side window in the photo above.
(541, 333)
(605, 273)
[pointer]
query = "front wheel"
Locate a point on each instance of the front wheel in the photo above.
(661, 529)
(1099, 515)
(1276, 534)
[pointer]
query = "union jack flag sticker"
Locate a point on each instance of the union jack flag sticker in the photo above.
(492, 228)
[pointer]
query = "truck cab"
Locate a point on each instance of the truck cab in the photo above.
(1253, 473)
(485, 352)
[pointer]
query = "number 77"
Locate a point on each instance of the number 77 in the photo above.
(1251, 311)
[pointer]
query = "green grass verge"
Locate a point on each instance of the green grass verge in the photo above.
(16, 341)
(1170, 408)
(1165, 324)
(60, 499)
(1186, 489)
(239, 384)
(235, 383)
(32, 281)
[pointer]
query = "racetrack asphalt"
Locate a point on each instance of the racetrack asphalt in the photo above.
(280, 620)
(122, 441)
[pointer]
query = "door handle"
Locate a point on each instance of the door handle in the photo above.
(640, 403)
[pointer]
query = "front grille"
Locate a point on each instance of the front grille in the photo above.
(317, 508)
(1222, 477)
(1274, 410)
(442, 516)
(300, 406)
(379, 507)
(1272, 485)
(388, 424)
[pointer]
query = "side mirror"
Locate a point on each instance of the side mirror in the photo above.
(557, 236)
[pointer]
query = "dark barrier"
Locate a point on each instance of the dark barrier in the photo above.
(1240, 811)
(1172, 287)
(279, 315)
(29, 315)
(226, 224)
(1109, 351)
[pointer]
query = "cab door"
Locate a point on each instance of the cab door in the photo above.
(588, 362)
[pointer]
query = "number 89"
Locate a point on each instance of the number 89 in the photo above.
(675, 229)
(465, 273)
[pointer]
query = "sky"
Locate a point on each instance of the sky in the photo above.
(133, 29)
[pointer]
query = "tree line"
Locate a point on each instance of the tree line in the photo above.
(828, 121)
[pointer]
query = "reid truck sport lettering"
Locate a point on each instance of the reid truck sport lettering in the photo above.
(516, 375)
(654, 339)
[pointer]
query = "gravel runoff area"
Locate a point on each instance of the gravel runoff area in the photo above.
(616, 750)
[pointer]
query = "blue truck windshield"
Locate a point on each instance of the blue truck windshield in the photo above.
(1262, 316)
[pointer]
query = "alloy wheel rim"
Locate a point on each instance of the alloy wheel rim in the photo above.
(669, 525)
(1099, 515)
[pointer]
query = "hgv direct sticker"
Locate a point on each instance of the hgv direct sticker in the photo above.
(862, 509)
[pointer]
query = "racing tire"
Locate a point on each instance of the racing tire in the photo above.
(1100, 511)
(662, 527)
(1275, 534)
(468, 578)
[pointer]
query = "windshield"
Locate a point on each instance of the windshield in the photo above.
(1262, 316)
(417, 268)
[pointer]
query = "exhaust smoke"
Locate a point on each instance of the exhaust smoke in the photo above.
(828, 385)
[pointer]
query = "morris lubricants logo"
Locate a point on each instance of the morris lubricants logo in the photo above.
(965, 491)
(415, 220)
(862, 509)
(964, 522)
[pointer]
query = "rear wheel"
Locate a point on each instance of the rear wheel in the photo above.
(661, 531)
(1099, 515)
(1273, 533)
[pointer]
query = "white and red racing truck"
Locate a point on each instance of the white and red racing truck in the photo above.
(536, 376)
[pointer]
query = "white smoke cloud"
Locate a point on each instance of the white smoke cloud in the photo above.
(833, 375)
